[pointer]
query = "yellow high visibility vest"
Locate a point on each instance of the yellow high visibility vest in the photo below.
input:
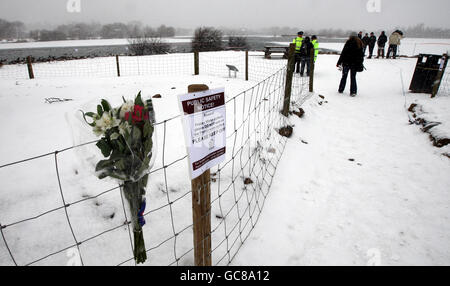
(298, 43)
(316, 48)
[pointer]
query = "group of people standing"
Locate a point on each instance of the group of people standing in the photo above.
(304, 46)
(370, 41)
(352, 56)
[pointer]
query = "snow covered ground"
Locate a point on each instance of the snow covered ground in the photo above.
(356, 185)
(369, 188)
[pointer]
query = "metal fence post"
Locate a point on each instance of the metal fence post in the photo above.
(201, 209)
(289, 75)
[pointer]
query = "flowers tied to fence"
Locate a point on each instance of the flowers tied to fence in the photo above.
(127, 144)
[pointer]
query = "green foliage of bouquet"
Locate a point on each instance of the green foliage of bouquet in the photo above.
(127, 145)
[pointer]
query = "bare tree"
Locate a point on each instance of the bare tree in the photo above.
(147, 46)
(207, 39)
(238, 42)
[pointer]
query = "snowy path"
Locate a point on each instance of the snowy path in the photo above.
(368, 188)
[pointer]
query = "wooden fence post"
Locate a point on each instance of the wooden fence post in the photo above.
(437, 82)
(196, 63)
(311, 71)
(117, 64)
(201, 209)
(289, 75)
(30, 68)
(246, 65)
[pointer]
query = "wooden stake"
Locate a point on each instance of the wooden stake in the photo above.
(289, 75)
(311, 71)
(117, 64)
(201, 208)
(196, 63)
(30, 68)
(246, 65)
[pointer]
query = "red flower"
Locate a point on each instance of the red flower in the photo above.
(138, 114)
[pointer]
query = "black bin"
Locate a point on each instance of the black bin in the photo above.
(427, 72)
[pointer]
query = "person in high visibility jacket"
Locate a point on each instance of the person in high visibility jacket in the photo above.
(316, 46)
(298, 44)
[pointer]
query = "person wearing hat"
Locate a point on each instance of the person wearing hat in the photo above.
(298, 44)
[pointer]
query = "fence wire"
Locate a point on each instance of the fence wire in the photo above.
(211, 63)
(69, 217)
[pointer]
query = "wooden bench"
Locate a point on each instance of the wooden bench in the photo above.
(276, 49)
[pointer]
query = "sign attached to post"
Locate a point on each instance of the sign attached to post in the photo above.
(204, 122)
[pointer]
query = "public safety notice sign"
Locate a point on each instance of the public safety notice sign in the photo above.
(204, 123)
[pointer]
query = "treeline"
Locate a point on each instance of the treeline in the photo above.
(418, 31)
(82, 31)
(12, 30)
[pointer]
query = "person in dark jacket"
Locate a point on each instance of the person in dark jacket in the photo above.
(305, 55)
(351, 60)
(382, 40)
(360, 35)
(365, 41)
(372, 42)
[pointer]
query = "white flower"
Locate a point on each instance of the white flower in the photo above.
(126, 107)
(104, 123)
(124, 127)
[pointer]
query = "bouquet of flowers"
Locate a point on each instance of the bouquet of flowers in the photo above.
(127, 145)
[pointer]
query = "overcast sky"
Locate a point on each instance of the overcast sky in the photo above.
(304, 14)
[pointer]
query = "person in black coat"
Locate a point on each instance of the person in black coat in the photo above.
(382, 40)
(305, 56)
(365, 41)
(372, 42)
(351, 60)
(360, 35)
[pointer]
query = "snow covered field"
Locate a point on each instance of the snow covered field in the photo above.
(356, 184)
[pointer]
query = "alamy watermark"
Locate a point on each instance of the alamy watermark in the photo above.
(73, 6)
(373, 6)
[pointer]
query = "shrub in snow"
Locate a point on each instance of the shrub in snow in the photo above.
(207, 39)
(238, 42)
(147, 46)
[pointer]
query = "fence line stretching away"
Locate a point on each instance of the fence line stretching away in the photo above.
(210, 63)
(80, 219)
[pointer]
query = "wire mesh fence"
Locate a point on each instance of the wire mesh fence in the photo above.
(211, 63)
(56, 213)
